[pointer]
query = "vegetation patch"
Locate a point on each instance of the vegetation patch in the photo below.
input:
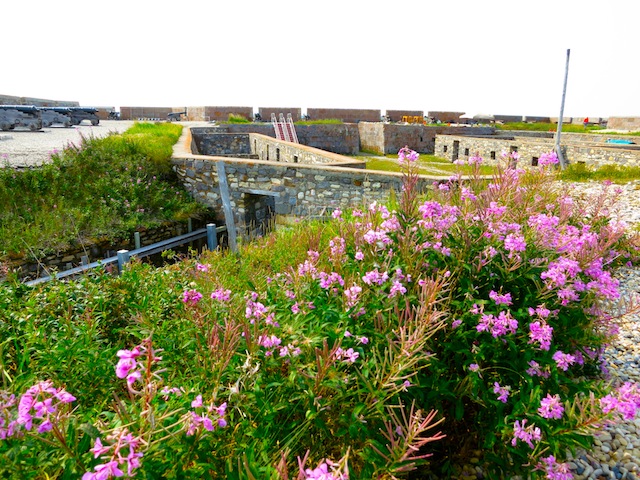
(324, 121)
(547, 127)
(98, 188)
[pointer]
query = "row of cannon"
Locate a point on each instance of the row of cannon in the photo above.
(35, 118)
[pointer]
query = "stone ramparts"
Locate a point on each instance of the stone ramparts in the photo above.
(624, 123)
(575, 147)
(347, 115)
(388, 138)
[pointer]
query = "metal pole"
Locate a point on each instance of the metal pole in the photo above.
(559, 131)
(212, 237)
(136, 240)
(123, 258)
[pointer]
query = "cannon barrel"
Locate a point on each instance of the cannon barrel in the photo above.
(21, 108)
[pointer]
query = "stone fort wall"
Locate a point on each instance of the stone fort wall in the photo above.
(575, 150)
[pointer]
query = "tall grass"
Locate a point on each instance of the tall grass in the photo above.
(581, 172)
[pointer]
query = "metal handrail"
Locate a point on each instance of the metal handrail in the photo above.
(210, 232)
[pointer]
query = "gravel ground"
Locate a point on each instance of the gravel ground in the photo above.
(23, 148)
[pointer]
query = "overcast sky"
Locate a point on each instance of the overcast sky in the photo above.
(499, 57)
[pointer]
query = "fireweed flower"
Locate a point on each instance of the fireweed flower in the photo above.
(501, 392)
(352, 294)
(39, 406)
(200, 267)
(555, 470)
(475, 160)
(191, 297)
(551, 407)
(500, 299)
(541, 333)
(528, 434)
(406, 156)
(375, 277)
(501, 325)
(397, 289)
(327, 280)
(625, 400)
(337, 247)
(550, 158)
(347, 356)
(120, 453)
(221, 295)
(337, 214)
(563, 360)
(204, 417)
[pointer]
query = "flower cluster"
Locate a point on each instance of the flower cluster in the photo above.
(120, 453)
(40, 407)
(528, 434)
(205, 417)
(625, 401)
(551, 407)
(129, 367)
(327, 470)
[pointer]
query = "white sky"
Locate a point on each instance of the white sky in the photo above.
(472, 56)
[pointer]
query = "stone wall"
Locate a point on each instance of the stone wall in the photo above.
(385, 139)
(347, 115)
(265, 113)
(294, 189)
(398, 115)
(490, 148)
(624, 123)
(134, 113)
(221, 144)
(337, 138)
(220, 114)
(270, 149)
(446, 117)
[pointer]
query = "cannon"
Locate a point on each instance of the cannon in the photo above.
(51, 115)
(175, 116)
(78, 114)
(12, 116)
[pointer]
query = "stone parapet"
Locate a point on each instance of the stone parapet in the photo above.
(624, 123)
(347, 115)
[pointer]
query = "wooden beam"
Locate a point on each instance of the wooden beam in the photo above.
(226, 206)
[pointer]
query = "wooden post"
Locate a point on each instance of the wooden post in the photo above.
(226, 206)
(136, 239)
(559, 130)
(212, 237)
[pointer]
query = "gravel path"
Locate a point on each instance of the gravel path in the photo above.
(23, 148)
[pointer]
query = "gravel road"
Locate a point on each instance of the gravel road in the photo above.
(23, 148)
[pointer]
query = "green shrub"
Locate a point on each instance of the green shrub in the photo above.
(234, 118)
